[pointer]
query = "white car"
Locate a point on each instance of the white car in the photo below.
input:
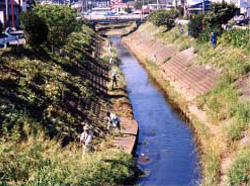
(5, 39)
(11, 36)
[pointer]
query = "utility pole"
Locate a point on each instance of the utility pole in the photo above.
(142, 9)
(82, 6)
(204, 8)
(157, 4)
(12, 14)
(7, 13)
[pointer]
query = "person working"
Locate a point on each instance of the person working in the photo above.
(154, 58)
(113, 120)
(213, 40)
(110, 62)
(114, 79)
(86, 139)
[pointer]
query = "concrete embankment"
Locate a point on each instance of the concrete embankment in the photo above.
(129, 133)
(177, 67)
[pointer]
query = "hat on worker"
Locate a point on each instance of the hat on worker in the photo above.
(85, 128)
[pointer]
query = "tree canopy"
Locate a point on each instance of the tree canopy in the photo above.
(61, 22)
(35, 27)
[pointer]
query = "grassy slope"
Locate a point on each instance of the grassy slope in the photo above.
(224, 105)
(42, 106)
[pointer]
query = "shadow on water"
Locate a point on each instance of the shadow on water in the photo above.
(166, 149)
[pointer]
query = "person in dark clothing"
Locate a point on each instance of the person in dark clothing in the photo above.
(213, 40)
(114, 79)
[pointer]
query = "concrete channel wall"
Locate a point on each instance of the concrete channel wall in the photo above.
(129, 131)
(177, 67)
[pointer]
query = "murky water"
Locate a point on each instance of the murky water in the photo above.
(164, 137)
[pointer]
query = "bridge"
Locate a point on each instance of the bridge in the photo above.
(138, 18)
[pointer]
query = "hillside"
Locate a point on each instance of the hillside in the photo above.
(46, 97)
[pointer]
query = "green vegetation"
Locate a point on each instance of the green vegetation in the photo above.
(35, 28)
(238, 38)
(201, 26)
(195, 25)
(45, 100)
(164, 18)
(239, 173)
(61, 21)
(40, 161)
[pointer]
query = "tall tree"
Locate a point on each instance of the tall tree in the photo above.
(61, 21)
(35, 28)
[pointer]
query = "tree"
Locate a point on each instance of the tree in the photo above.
(164, 18)
(224, 11)
(61, 21)
(35, 28)
(201, 26)
(195, 25)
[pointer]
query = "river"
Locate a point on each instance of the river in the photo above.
(164, 137)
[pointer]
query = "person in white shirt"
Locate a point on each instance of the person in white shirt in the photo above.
(109, 48)
(110, 62)
(154, 58)
(113, 120)
(86, 139)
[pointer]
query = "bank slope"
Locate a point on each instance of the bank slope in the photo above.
(46, 98)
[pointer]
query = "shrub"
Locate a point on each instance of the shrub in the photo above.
(35, 28)
(239, 173)
(61, 22)
(196, 25)
(163, 18)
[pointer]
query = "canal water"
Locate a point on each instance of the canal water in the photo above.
(165, 142)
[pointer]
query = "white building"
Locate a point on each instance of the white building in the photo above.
(10, 11)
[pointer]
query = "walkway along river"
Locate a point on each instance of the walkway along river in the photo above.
(163, 135)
